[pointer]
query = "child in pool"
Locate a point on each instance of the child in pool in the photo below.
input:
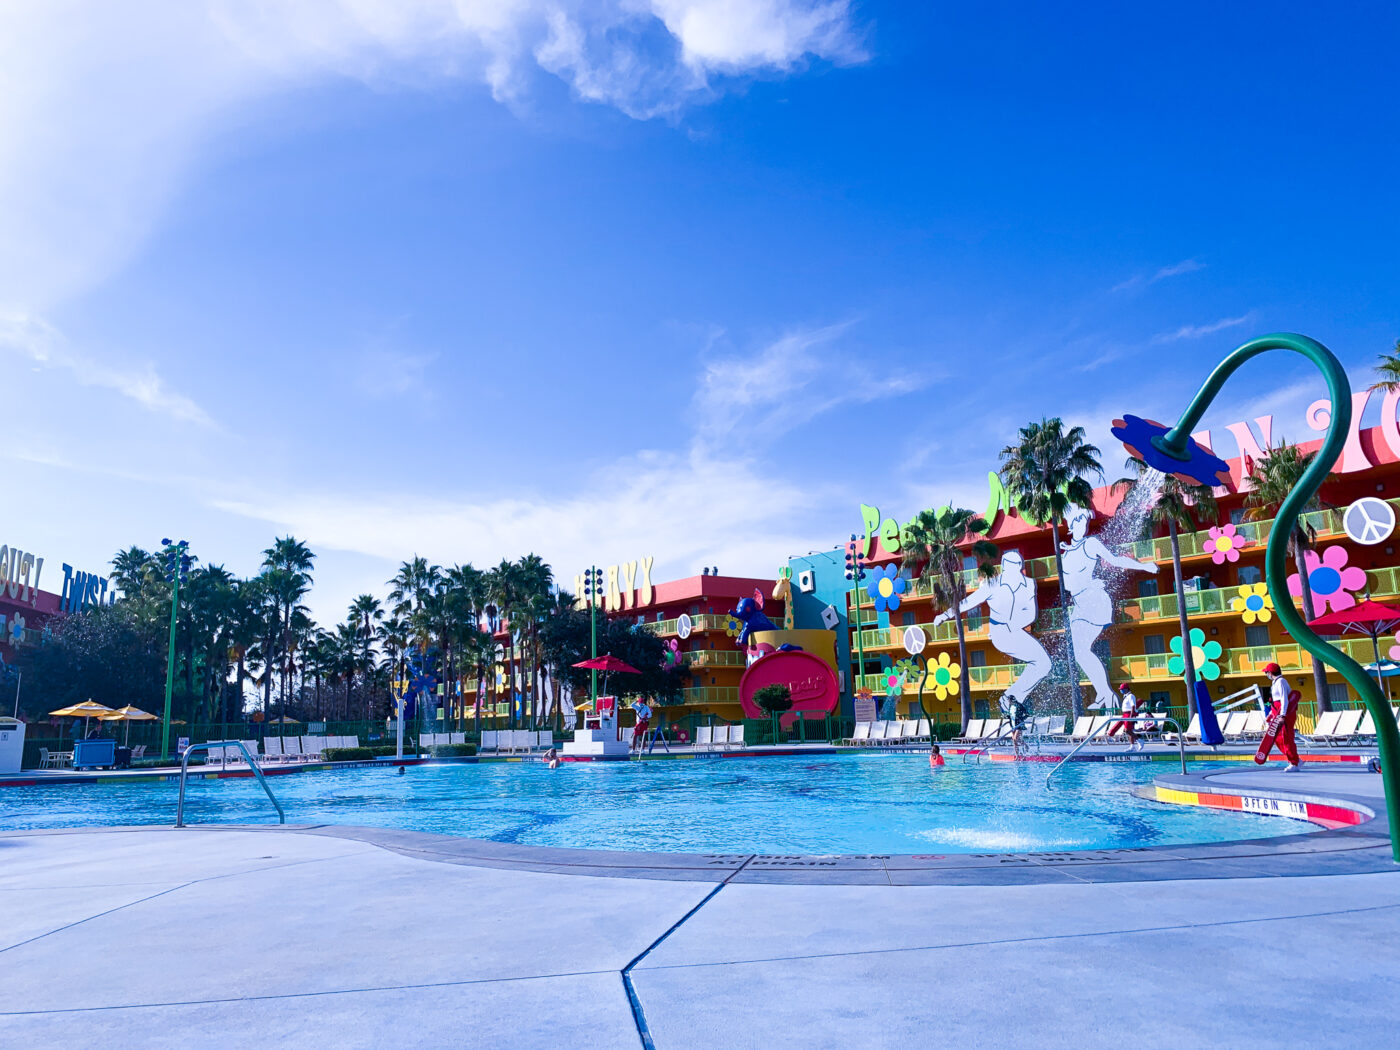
(935, 757)
(551, 758)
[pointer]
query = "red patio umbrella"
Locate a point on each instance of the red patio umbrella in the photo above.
(610, 664)
(1369, 618)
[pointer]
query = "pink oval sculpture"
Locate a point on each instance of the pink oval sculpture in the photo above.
(809, 677)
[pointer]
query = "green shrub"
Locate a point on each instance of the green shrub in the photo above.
(453, 750)
(390, 750)
(348, 754)
(774, 699)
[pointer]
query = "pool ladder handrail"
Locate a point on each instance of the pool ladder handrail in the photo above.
(1003, 736)
(252, 764)
(1114, 722)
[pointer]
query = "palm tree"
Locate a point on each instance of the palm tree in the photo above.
(1177, 504)
(504, 587)
(1044, 473)
(934, 546)
(393, 636)
(1274, 477)
(247, 626)
(536, 583)
(287, 567)
(365, 614)
(1388, 371)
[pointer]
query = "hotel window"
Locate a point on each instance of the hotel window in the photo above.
(1337, 694)
(1256, 634)
(977, 658)
(1159, 701)
(1153, 644)
(1249, 574)
(1237, 516)
(1147, 588)
(910, 619)
(969, 562)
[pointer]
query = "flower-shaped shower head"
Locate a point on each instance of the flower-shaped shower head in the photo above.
(1196, 466)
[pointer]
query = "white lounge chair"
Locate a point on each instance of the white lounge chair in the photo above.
(1325, 728)
(973, 731)
(705, 738)
(488, 741)
(1083, 726)
(139, 751)
(461, 738)
(1348, 726)
(546, 739)
(736, 735)
(1367, 727)
(924, 731)
(272, 749)
(908, 731)
(860, 736)
(1193, 731)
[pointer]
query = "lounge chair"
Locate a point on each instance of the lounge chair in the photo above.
(461, 738)
(1367, 728)
(1326, 726)
(546, 739)
(488, 741)
(860, 736)
(1349, 725)
(1254, 726)
(1082, 725)
(908, 731)
(925, 731)
(736, 736)
(139, 751)
(272, 749)
(705, 737)
(1193, 732)
(972, 732)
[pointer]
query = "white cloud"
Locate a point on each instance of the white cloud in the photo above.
(1174, 270)
(1195, 331)
(792, 380)
(44, 347)
(105, 107)
(382, 373)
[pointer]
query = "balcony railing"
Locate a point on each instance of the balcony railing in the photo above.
(699, 622)
(715, 658)
(711, 694)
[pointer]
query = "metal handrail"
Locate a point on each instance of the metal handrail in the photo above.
(252, 764)
(1002, 736)
(1114, 722)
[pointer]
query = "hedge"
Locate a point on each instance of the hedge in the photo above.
(348, 754)
(453, 750)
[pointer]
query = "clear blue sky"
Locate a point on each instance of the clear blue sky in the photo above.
(692, 283)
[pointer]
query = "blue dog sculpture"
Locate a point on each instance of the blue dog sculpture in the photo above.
(751, 616)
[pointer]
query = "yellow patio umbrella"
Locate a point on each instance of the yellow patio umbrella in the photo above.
(129, 714)
(86, 710)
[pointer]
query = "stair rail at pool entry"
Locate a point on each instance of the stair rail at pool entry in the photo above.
(1113, 722)
(1174, 451)
(252, 764)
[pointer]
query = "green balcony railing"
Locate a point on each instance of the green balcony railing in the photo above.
(699, 622)
(711, 694)
(715, 658)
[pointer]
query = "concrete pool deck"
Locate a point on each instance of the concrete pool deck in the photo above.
(152, 937)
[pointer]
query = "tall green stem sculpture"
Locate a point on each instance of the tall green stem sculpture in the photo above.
(1174, 452)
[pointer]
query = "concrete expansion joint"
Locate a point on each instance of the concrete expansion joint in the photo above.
(638, 1013)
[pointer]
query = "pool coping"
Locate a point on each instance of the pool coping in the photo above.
(1356, 842)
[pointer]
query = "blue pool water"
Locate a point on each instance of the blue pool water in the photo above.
(810, 804)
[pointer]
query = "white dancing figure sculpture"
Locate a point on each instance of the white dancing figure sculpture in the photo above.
(1011, 609)
(1090, 608)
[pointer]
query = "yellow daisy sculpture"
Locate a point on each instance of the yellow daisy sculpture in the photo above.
(1254, 603)
(945, 674)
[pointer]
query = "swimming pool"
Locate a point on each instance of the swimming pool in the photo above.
(853, 803)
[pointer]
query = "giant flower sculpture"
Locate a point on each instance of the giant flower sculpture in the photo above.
(885, 587)
(733, 626)
(1203, 655)
(1330, 578)
(1225, 543)
(1254, 603)
(945, 673)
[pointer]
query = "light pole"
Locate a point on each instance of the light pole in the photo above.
(855, 572)
(592, 592)
(177, 567)
(19, 682)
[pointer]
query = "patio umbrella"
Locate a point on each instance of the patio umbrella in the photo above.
(608, 664)
(86, 710)
(1369, 618)
(129, 714)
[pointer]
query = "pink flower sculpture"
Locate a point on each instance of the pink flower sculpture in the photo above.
(1330, 578)
(1225, 543)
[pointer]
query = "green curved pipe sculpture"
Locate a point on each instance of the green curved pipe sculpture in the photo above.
(1174, 452)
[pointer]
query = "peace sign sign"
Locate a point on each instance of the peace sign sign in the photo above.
(1369, 520)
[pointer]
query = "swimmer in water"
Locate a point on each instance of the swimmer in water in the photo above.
(551, 758)
(935, 757)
